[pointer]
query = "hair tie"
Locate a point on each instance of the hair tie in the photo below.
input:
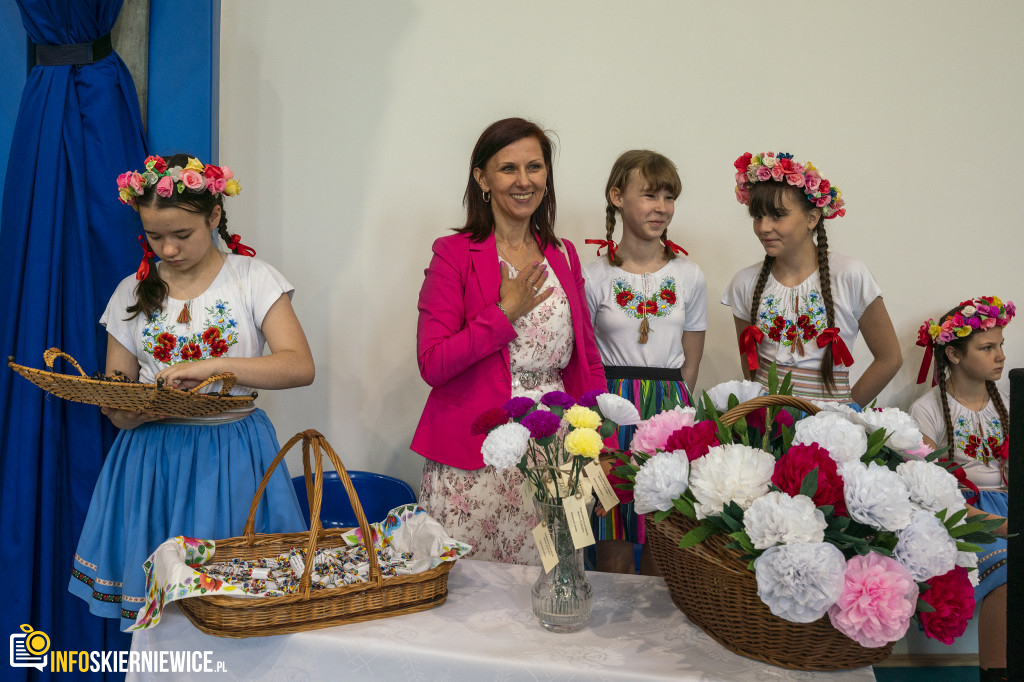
(749, 340)
(676, 248)
(612, 248)
(924, 339)
(840, 353)
(235, 244)
(147, 254)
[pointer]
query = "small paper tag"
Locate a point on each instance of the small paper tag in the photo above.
(579, 521)
(545, 546)
(562, 484)
(605, 491)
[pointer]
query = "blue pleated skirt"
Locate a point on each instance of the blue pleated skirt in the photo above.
(162, 480)
(992, 557)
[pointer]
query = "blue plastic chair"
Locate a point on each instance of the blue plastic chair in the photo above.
(378, 494)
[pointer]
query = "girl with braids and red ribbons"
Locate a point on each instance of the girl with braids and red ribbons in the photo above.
(197, 313)
(803, 307)
(966, 412)
(648, 302)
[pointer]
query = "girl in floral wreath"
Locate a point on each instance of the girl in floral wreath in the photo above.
(966, 412)
(803, 307)
(648, 302)
(196, 313)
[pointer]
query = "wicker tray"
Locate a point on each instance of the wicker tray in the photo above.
(152, 398)
(717, 593)
(310, 609)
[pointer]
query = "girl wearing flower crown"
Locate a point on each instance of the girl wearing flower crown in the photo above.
(967, 413)
(649, 308)
(803, 307)
(197, 313)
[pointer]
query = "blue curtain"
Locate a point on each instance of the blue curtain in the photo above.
(65, 242)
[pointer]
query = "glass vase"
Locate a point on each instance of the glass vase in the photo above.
(562, 597)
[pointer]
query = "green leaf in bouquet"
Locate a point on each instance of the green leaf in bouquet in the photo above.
(940, 453)
(787, 438)
(685, 507)
(608, 428)
(697, 535)
(732, 402)
(732, 516)
(884, 540)
(546, 441)
(876, 439)
(660, 516)
(743, 541)
(787, 384)
(705, 409)
(773, 379)
(557, 410)
(724, 432)
(968, 547)
(740, 431)
(827, 509)
(809, 486)
(952, 520)
(986, 526)
(922, 605)
(839, 523)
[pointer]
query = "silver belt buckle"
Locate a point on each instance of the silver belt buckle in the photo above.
(528, 379)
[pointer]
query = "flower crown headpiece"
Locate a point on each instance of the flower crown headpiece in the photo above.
(978, 314)
(195, 177)
(782, 168)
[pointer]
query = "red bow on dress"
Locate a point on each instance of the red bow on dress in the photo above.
(612, 248)
(675, 247)
(749, 340)
(840, 353)
(147, 255)
(235, 244)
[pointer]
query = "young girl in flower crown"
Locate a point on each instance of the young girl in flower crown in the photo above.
(197, 313)
(649, 309)
(967, 413)
(802, 306)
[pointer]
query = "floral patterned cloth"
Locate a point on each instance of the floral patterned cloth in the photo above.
(485, 507)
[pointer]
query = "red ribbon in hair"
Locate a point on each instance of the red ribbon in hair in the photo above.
(840, 353)
(749, 340)
(924, 339)
(612, 248)
(676, 248)
(147, 255)
(235, 244)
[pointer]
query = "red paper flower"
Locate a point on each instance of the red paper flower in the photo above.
(742, 162)
(696, 440)
(952, 597)
(623, 297)
(482, 425)
(797, 462)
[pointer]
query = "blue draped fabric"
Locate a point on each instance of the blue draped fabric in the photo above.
(65, 242)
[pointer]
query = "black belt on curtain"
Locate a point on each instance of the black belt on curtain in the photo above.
(73, 53)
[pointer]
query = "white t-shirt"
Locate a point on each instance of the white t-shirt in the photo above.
(676, 301)
(226, 319)
(971, 433)
(792, 317)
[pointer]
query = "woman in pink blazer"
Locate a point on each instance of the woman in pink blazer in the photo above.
(501, 313)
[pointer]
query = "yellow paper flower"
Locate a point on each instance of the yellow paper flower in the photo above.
(584, 442)
(962, 331)
(582, 417)
(195, 164)
(934, 330)
(996, 301)
(231, 188)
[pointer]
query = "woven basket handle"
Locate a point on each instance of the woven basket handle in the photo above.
(227, 377)
(51, 354)
(745, 408)
(314, 493)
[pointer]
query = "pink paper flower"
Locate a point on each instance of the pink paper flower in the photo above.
(192, 179)
(952, 597)
(652, 434)
(764, 173)
(165, 186)
(877, 602)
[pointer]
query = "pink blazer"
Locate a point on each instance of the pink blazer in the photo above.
(462, 344)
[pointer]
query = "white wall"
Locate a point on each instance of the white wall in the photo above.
(350, 125)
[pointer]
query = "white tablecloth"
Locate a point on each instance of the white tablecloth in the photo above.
(487, 631)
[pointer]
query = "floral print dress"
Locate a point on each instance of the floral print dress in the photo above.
(485, 507)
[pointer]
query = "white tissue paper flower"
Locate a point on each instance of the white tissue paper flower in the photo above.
(925, 547)
(931, 487)
(901, 427)
(660, 480)
(618, 409)
(851, 415)
(800, 582)
(743, 390)
(876, 496)
(505, 446)
(729, 473)
(844, 441)
(969, 560)
(780, 518)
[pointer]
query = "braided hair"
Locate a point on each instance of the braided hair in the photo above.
(766, 198)
(657, 173)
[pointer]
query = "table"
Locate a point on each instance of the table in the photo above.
(487, 631)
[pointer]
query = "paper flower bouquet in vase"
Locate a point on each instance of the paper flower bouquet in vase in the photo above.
(555, 442)
(806, 535)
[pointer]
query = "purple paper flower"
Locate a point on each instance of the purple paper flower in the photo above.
(558, 399)
(517, 407)
(974, 322)
(541, 423)
(589, 399)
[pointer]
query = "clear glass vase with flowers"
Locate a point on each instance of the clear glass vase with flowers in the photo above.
(555, 442)
(833, 519)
